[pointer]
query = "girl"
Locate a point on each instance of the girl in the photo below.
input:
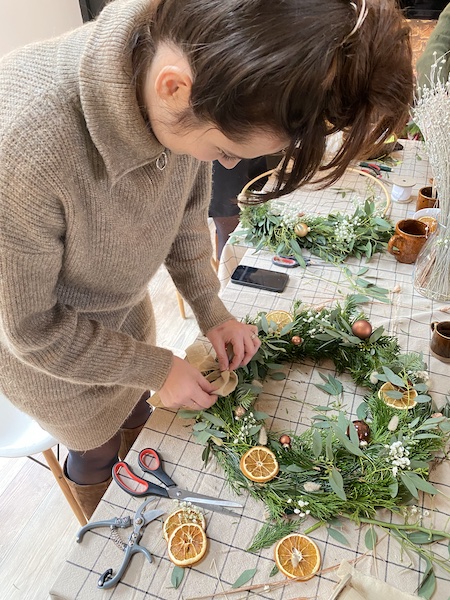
(107, 135)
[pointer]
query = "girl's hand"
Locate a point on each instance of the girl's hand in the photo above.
(185, 387)
(235, 343)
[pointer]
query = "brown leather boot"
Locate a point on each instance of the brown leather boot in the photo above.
(88, 496)
(127, 439)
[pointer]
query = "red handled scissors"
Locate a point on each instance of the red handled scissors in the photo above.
(150, 462)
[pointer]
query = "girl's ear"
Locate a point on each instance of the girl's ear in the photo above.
(173, 87)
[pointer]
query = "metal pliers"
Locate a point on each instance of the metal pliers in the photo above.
(140, 520)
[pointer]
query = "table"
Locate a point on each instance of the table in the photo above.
(408, 317)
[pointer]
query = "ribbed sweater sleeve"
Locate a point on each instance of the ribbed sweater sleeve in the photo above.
(36, 327)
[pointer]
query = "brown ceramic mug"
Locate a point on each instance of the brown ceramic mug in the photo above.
(425, 198)
(409, 237)
(440, 340)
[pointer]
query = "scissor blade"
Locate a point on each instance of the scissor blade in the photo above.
(151, 515)
(201, 499)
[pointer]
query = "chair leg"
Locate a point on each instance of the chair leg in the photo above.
(55, 468)
(181, 305)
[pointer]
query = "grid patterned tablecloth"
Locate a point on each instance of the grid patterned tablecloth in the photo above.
(290, 406)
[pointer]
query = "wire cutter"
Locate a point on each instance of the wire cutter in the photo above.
(371, 168)
(132, 546)
(150, 462)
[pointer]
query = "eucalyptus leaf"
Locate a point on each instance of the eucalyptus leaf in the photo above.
(422, 484)
(361, 411)
(317, 444)
(177, 576)
(423, 398)
(376, 335)
(337, 483)
(202, 436)
(274, 570)
(329, 447)
(278, 376)
(393, 489)
(188, 414)
(217, 421)
(409, 484)
(244, 578)
(428, 584)
(338, 536)
(393, 378)
(370, 538)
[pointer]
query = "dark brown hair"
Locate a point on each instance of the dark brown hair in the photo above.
(291, 67)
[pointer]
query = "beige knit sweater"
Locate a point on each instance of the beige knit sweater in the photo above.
(86, 220)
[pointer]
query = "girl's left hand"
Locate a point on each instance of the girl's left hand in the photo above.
(235, 343)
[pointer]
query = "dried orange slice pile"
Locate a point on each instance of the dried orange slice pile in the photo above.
(259, 464)
(297, 556)
(184, 532)
(187, 545)
(279, 317)
(183, 515)
(407, 401)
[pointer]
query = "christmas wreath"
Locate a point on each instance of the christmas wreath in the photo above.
(340, 465)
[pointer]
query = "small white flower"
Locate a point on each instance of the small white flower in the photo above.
(394, 471)
(297, 511)
(363, 443)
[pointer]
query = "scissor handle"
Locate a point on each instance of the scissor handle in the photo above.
(149, 460)
(124, 477)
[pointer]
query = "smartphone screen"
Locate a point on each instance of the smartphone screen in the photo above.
(260, 278)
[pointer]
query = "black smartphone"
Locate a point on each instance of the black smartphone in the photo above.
(260, 278)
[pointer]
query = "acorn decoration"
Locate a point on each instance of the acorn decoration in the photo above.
(296, 340)
(362, 329)
(301, 229)
(285, 441)
(362, 429)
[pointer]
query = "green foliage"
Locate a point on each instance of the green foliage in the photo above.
(333, 237)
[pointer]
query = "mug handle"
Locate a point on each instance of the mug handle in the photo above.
(394, 244)
(433, 325)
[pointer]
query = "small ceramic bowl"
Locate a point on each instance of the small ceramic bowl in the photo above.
(427, 212)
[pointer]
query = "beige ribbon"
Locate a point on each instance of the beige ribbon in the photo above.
(224, 382)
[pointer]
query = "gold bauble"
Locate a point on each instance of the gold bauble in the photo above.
(301, 229)
(296, 340)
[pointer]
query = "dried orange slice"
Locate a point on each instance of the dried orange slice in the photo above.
(187, 545)
(297, 556)
(259, 464)
(279, 317)
(182, 515)
(407, 401)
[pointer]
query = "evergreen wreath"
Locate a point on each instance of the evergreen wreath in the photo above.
(334, 468)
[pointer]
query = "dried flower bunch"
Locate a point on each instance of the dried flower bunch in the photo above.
(432, 115)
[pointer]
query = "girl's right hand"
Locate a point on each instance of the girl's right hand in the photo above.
(185, 387)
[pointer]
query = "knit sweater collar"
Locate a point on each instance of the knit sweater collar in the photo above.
(108, 95)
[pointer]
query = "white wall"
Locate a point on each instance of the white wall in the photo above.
(25, 21)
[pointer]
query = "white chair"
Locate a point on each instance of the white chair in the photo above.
(21, 436)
